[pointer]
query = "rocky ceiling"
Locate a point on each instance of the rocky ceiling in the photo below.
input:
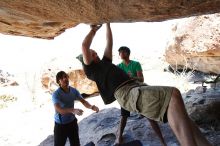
(48, 18)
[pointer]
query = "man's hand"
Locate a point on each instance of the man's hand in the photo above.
(95, 108)
(78, 112)
(94, 28)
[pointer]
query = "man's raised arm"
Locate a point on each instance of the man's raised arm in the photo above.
(87, 56)
(109, 44)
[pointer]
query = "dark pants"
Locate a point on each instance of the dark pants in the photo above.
(64, 131)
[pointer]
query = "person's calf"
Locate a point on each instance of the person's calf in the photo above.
(179, 121)
(119, 139)
(199, 137)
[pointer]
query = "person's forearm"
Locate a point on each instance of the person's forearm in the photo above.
(64, 111)
(88, 40)
(109, 36)
(140, 76)
(87, 58)
(86, 104)
(141, 79)
(109, 42)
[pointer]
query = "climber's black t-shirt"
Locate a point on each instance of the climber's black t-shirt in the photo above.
(107, 77)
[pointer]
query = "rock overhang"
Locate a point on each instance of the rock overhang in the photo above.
(49, 18)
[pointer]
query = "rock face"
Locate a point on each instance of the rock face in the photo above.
(77, 79)
(7, 79)
(196, 44)
(82, 83)
(49, 18)
(101, 127)
(204, 107)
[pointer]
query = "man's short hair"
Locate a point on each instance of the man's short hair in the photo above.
(124, 48)
(60, 75)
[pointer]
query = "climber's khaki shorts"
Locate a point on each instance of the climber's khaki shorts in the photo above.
(150, 101)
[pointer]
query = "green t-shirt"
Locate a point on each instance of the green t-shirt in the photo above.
(132, 68)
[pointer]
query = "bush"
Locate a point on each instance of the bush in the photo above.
(5, 100)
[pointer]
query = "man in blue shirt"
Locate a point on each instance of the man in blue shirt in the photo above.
(65, 121)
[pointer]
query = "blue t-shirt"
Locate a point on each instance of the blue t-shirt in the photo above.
(65, 100)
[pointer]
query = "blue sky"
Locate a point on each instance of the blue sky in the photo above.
(24, 53)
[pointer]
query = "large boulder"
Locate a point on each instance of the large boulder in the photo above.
(81, 82)
(77, 79)
(73, 68)
(49, 18)
(196, 44)
(101, 128)
(204, 107)
(7, 79)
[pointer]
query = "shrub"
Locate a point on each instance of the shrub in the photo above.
(5, 100)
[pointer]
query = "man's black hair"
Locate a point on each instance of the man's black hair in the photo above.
(60, 75)
(124, 48)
